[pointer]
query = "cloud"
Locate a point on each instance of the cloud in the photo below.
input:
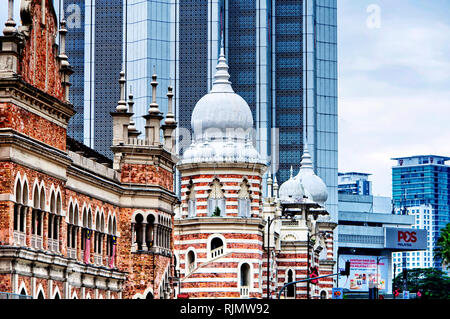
(393, 87)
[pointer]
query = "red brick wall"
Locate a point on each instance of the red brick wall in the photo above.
(38, 65)
(32, 125)
(147, 175)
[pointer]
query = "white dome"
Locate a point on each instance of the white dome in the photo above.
(291, 189)
(222, 123)
(221, 109)
(313, 186)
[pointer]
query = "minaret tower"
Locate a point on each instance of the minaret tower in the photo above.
(219, 236)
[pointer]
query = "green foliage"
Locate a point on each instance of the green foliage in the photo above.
(216, 212)
(442, 249)
(432, 283)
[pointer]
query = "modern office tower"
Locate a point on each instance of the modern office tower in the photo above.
(285, 58)
(354, 183)
(423, 219)
(95, 46)
(423, 180)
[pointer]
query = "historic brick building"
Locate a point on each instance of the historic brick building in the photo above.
(74, 224)
(222, 229)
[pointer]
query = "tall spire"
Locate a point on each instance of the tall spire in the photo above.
(221, 78)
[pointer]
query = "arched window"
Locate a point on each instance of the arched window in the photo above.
(191, 261)
(19, 218)
(86, 234)
(244, 200)
(149, 232)
(290, 290)
(98, 237)
(36, 220)
(72, 228)
(111, 241)
(191, 199)
(54, 221)
(139, 230)
(244, 280)
(216, 247)
(216, 200)
(323, 294)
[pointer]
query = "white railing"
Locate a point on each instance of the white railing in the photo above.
(20, 238)
(98, 260)
(216, 252)
(72, 253)
(36, 241)
(53, 244)
(289, 223)
(244, 291)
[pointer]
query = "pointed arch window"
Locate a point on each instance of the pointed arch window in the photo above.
(36, 220)
(72, 231)
(216, 200)
(244, 284)
(20, 209)
(111, 242)
(244, 201)
(191, 199)
(54, 221)
(290, 290)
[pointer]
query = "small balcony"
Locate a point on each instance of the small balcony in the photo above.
(36, 241)
(53, 245)
(72, 253)
(20, 238)
(217, 252)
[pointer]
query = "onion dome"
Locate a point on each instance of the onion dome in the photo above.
(291, 189)
(224, 120)
(221, 109)
(313, 186)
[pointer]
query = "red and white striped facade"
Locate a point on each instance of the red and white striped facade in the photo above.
(216, 270)
(221, 229)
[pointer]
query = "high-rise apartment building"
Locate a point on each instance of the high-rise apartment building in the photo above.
(423, 180)
(354, 183)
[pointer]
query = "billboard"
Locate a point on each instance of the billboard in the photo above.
(364, 273)
(405, 238)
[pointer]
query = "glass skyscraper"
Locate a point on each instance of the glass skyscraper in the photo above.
(282, 56)
(423, 180)
(94, 45)
(283, 62)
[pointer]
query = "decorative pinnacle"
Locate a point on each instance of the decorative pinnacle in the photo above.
(221, 78)
(122, 104)
(130, 110)
(10, 25)
(154, 108)
(62, 56)
(306, 164)
(170, 117)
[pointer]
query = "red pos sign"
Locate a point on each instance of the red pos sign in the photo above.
(405, 238)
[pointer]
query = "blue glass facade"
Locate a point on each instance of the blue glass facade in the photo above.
(424, 180)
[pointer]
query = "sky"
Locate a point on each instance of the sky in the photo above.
(394, 83)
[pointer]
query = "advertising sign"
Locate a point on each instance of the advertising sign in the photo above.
(364, 273)
(338, 293)
(405, 238)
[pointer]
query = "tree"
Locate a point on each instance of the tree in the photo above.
(442, 250)
(432, 283)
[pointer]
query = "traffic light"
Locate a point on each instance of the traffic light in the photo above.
(346, 272)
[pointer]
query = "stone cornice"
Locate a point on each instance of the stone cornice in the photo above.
(25, 95)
